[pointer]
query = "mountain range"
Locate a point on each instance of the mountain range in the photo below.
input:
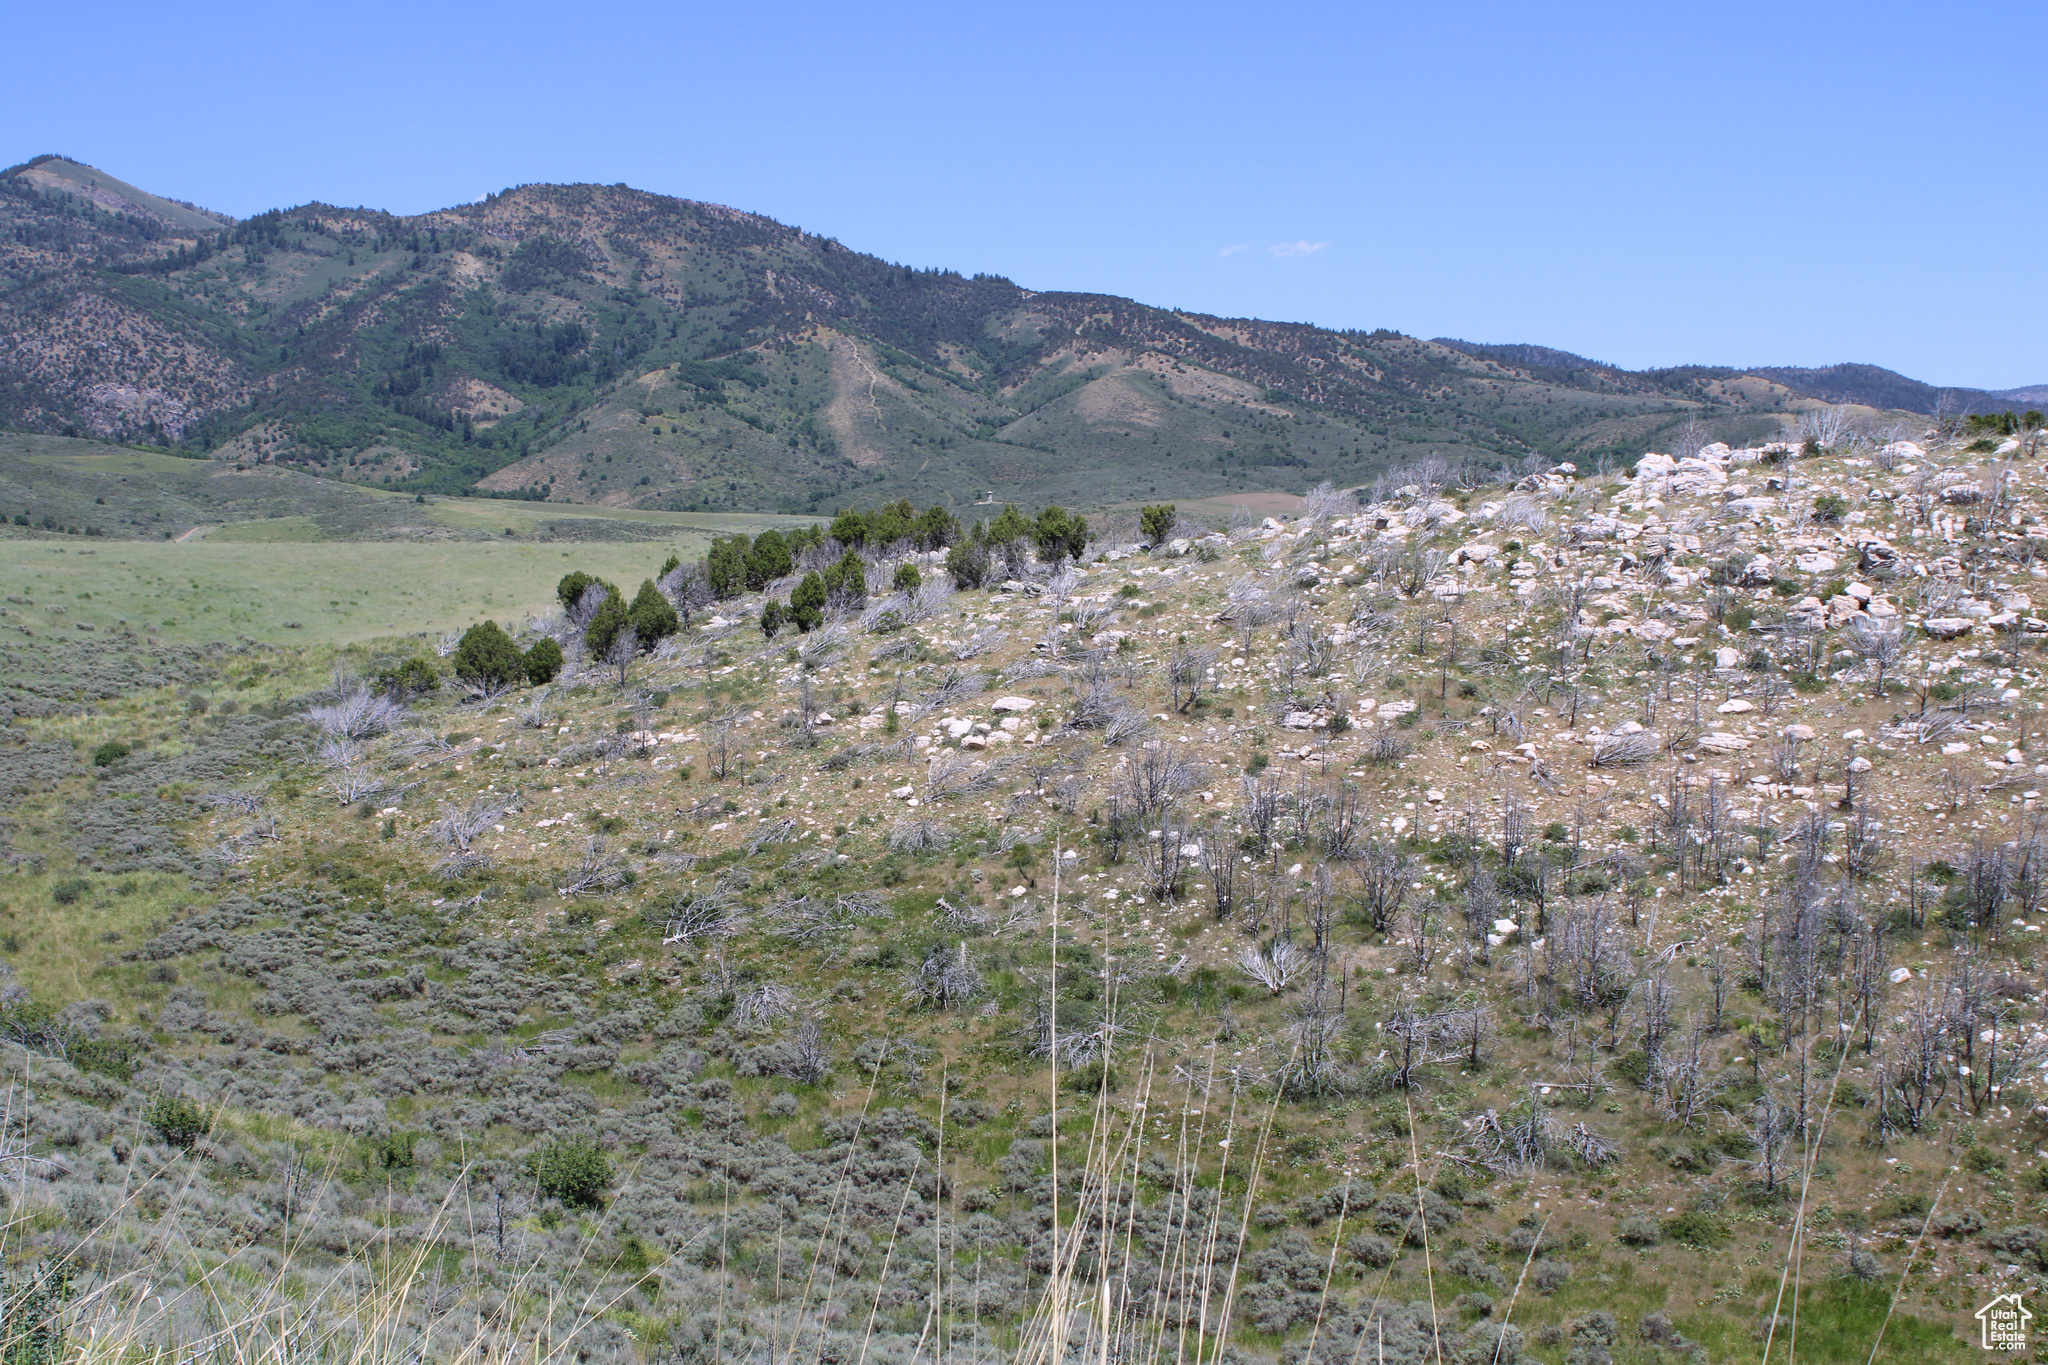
(599, 344)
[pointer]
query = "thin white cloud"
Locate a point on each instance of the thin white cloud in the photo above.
(1295, 248)
(1233, 250)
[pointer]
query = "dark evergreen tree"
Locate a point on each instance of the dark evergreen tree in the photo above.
(846, 582)
(653, 618)
(487, 655)
(807, 603)
(543, 661)
(768, 560)
(936, 529)
(571, 587)
(611, 618)
(1060, 535)
(725, 567)
(1008, 528)
(850, 528)
(967, 562)
(1156, 523)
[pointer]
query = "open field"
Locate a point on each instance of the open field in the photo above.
(54, 487)
(213, 589)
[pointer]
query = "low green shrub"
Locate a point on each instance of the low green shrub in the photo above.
(1695, 1229)
(180, 1121)
(572, 1170)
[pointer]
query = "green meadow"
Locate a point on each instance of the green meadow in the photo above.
(285, 592)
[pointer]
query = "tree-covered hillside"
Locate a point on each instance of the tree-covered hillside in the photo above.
(598, 344)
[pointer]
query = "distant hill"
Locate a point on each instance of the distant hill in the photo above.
(598, 344)
(1865, 385)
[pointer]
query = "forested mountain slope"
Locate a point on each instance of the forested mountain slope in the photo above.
(599, 344)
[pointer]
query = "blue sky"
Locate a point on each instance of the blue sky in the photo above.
(1648, 184)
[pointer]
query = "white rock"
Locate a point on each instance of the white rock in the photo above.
(1735, 706)
(1299, 720)
(1012, 704)
(1505, 927)
(1395, 708)
(904, 793)
(1949, 627)
(1721, 743)
(1724, 657)
(1859, 764)
(974, 742)
(1800, 732)
(1901, 974)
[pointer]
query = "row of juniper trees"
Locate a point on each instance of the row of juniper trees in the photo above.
(838, 567)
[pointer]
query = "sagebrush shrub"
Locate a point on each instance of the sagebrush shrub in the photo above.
(1639, 1231)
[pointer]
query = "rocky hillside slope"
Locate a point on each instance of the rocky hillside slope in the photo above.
(1594, 918)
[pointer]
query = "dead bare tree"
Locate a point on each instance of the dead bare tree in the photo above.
(1166, 853)
(1826, 427)
(1913, 1075)
(1274, 966)
(1188, 669)
(1425, 927)
(722, 744)
(1219, 860)
(1384, 872)
(1155, 777)
(1682, 1081)
(1259, 810)
(1879, 643)
(620, 655)
(1768, 1127)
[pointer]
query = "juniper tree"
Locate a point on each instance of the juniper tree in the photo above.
(605, 625)
(487, 656)
(653, 619)
(768, 560)
(807, 602)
